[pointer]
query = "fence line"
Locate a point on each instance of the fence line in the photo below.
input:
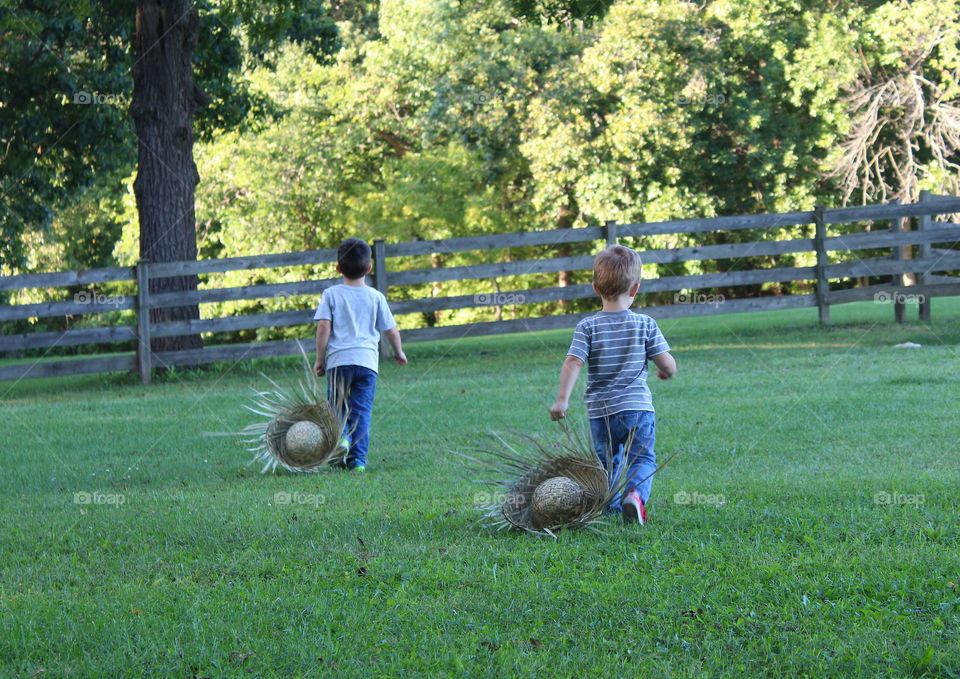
(898, 265)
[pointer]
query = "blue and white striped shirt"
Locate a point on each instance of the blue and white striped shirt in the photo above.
(615, 345)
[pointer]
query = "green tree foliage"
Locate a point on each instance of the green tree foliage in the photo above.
(677, 110)
(434, 119)
(65, 87)
(904, 119)
(412, 133)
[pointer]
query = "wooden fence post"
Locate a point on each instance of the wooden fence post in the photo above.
(610, 230)
(823, 286)
(380, 279)
(380, 265)
(144, 354)
(897, 279)
(926, 252)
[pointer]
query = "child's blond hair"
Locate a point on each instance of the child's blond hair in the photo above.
(615, 269)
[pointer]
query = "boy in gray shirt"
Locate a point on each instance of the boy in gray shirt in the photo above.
(616, 344)
(350, 318)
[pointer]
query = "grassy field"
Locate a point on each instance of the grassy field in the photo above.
(807, 527)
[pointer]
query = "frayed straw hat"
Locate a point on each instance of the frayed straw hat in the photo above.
(303, 430)
(541, 489)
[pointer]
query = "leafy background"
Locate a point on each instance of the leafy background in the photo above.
(435, 119)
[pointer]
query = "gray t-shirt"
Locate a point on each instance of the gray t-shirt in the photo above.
(615, 345)
(357, 315)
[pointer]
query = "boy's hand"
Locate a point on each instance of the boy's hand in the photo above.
(393, 336)
(666, 365)
(558, 410)
(319, 368)
(568, 376)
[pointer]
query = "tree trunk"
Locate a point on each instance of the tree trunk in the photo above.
(564, 220)
(164, 99)
(436, 288)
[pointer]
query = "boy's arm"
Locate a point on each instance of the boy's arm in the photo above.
(666, 365)
(323, 336)
(393, 336)
(568, 377)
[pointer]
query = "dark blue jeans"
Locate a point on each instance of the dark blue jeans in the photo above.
(360, 386)
(610, 435)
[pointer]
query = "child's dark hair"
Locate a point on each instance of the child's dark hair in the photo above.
(353, 256)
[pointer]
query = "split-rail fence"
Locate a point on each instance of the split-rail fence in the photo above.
(911, 277)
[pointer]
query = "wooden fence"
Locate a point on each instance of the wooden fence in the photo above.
(930, 260)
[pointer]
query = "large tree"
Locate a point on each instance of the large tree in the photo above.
(164, 99)
(65, 80)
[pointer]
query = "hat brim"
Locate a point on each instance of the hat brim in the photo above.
(588, 474)
(285, 407)
(522, 467)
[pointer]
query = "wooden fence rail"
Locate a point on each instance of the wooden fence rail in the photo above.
(898, 266)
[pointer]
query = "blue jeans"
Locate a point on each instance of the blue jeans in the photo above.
(610, 435)
(360, 386)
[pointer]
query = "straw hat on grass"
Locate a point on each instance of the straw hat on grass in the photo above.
(302, 430)
(541, 489)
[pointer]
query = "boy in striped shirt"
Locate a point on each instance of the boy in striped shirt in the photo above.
(616, 344)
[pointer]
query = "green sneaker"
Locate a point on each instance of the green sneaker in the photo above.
(358, 469)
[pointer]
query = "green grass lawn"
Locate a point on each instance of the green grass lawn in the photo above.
(807, 526)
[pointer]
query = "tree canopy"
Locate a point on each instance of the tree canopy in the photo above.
(428, 118)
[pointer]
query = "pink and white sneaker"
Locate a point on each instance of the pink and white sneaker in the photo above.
(633, 509)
